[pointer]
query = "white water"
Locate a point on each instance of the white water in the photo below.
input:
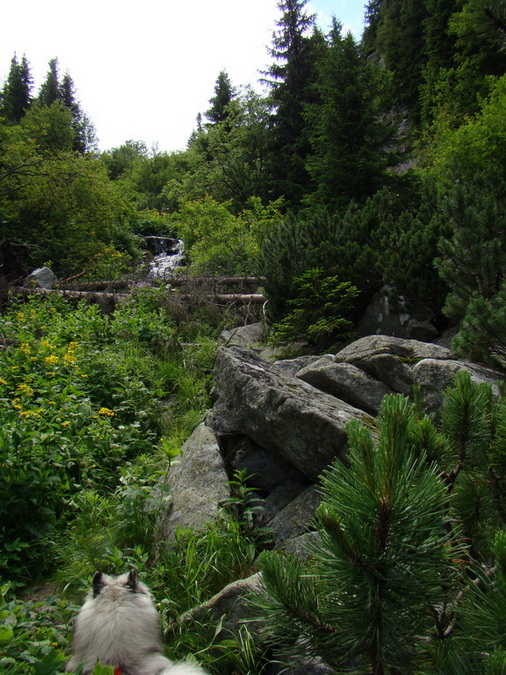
(171, 256)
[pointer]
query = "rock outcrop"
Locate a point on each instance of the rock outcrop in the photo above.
(282, 414)
(198, 483)
(283, 423)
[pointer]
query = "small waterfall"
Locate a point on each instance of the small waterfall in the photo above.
(168, 254)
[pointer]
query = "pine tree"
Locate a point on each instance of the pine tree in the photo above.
(439, 44)
(84, 132)
(346, 134)
(372, 18)
(400, 42)
(16, 94)
(291, 80)
(224, 93)
(49, 91)
(383, 560)
(402, 578)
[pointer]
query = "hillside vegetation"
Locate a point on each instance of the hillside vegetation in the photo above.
(371, 162)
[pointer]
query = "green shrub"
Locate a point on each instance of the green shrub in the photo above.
(321, 311)
(409, 572)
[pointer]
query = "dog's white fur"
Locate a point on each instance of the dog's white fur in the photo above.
(118, 625)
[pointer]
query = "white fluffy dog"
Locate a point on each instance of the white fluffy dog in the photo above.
(118, 625)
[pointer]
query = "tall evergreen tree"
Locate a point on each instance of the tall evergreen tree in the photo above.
(372, 17)
(439, 44)
(224, 92)
(346, 135)
(84, 132)
(400, 42)
(291, 77)
(16, 94)
(49, 91)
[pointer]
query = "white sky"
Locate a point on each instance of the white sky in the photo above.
(143, 71)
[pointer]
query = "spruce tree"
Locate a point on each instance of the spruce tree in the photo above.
(224, 93)
(372, 18)
(291, 77)
(49, 91)
(16, 94)
(346, 134)
(84, 132)
(400, 43)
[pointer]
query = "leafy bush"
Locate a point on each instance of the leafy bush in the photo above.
(80, 395)
(33, 634)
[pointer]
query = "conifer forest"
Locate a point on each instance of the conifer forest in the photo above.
(362, 164)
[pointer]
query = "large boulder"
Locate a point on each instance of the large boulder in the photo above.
(229, 607)
(390, 359)
(198, 484)
(279, 412)
(433, 376)
(265, 470)
(296, 518)
(347, 382)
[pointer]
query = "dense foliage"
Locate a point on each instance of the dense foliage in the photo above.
(364, 163)
(396, 139)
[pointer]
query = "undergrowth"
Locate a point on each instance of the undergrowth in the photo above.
(93, 408)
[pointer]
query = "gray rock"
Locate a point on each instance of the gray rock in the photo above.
(229, 605)
(279, 498)
(244, 336)
(292, 366)
(280, 413)
(383, 318)
(390, 359)
(411, 351)
(266, 469)
(295, 519)
(301, 546)
(433, 376)
(198, 483)
(44, 277)
(347, 382)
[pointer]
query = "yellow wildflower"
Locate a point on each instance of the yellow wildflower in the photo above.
(70, 354)
(16, 403)
(46, 344)
(29, 413)
(20, 316)
(2, 381)
(51, 360)
(25, 389)
(24, 347)
(106, 412)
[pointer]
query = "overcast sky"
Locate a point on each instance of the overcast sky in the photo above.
(143, 71)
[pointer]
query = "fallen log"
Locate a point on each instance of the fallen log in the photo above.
(226, 298)
(181, 280)
(84, 295)
(220, 298)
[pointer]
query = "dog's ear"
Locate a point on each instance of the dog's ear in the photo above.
(98, 583)
(133, 580)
